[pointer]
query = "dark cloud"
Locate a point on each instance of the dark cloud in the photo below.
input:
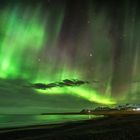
(66, 82)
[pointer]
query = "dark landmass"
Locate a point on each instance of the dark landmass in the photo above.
(123, 127)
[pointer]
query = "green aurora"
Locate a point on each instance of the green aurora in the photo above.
(32, 49)
(23, 37)
(20, 36)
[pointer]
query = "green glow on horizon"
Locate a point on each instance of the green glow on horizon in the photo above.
(85, 93)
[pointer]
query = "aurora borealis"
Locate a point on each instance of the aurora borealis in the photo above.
(55, 40)
(21, 35)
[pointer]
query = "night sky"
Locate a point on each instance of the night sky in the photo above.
(50, 41)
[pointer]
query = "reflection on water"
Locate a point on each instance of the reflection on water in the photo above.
(27, 120)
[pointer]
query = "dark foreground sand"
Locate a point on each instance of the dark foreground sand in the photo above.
(108, 128)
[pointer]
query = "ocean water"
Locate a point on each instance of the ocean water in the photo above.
(10, 121)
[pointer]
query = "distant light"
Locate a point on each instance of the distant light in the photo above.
(88, 21)
(90, 54)
(136, 109)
